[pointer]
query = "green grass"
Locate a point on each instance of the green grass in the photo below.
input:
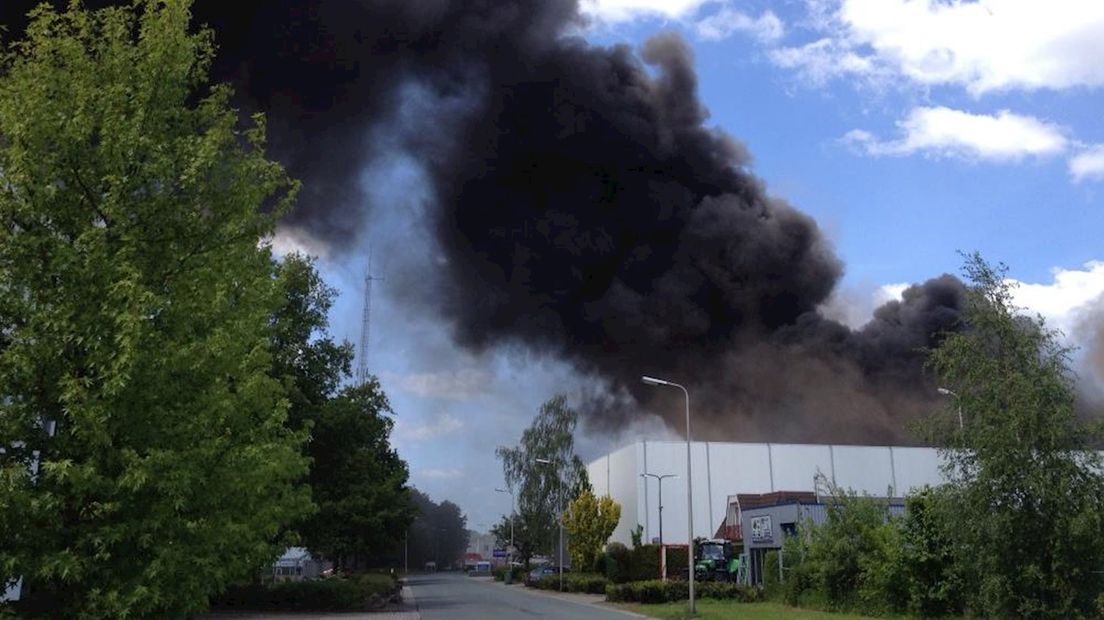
(710, 610)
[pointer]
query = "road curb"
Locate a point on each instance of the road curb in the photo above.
(408, 597)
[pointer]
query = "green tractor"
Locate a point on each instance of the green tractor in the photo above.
(716, 561)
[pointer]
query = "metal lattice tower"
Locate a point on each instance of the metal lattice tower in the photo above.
(365, 328)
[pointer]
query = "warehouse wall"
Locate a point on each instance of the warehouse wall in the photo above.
(724, 469)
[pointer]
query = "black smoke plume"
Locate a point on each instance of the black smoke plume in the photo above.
(584, 209)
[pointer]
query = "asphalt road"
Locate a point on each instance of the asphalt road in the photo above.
(454, 596)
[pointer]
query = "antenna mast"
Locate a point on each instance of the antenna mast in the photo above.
(362, 354)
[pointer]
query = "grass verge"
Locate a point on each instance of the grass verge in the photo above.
(710, 610)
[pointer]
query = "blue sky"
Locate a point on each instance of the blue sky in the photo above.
(909, 130)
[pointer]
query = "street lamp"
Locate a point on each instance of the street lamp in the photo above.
(659, 479)
(513, 513)
(944, 391)
(689, 487)
(559, 497)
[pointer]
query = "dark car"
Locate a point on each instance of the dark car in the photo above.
(544, 571)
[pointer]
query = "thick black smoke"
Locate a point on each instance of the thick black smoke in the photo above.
(584, 207)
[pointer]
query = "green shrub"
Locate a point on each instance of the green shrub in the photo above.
(332, 594)
(499, 573)
(589, 583)
(617, 563)
(771, 582)
(729, 592)
(650, 592)
(644, 563)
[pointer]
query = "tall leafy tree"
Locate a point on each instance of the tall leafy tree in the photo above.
(135, 300)
(439, 532)
(1027, 491)
(590, 520)
(358, 481)
(305, 357)
(544, 472)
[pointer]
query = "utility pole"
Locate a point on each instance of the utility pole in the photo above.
(365, 328)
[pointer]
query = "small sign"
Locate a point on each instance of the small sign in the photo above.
(500, 553)
(761, 529)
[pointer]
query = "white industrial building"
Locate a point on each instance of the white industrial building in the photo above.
(724, 470)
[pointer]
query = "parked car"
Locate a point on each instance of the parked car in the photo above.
(480, 569)
(543, 571)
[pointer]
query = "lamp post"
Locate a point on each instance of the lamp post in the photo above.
(559, 501)
(689, 487)
(659, 479)
(944, 391)
(513, 513)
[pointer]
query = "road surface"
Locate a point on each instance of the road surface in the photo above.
(454, 596)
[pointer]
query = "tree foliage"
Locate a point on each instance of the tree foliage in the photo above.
(439, 533)
(356, 478)
(1021, 472)
(305, 356)
(590, 521)
(135, 300)
(358, 481)
(849, 561)
(543, 489)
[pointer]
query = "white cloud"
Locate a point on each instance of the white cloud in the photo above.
(983, 46)
(441, 426)
(1089, 164)
(767, 27)
(1071, 293)
(943, 132)
(823, 59)
(437, 473)
(626, 10)
(462, 384)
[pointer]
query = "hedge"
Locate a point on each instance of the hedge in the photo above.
(621, 564)
(656, 591)
(574, 582)
(352, 593)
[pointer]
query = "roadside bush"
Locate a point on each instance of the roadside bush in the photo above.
(771, 582)
(499, 573)
(333, 594)
(588, 583)
(644, 563)
(617, 563)
(649, 592)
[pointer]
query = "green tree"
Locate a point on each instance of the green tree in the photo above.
(929, 562)
(590, 521)
(544, 472)
(358, 481)
(522, 538)
(1026, 488)
(439, 532)
(135, 298)
(304, 355)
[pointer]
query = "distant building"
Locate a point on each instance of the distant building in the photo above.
(723, 471)
(481, 547)
(297, 564)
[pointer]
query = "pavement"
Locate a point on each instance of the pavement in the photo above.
(455, 596)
